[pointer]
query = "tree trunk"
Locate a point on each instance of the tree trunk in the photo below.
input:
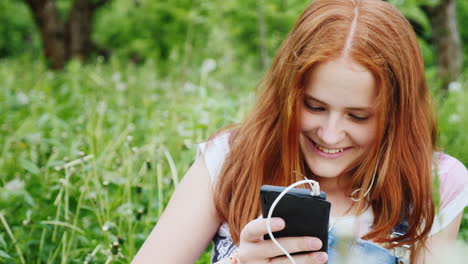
(65, 40)
(446, 40)
(52, 31)
(79, 27)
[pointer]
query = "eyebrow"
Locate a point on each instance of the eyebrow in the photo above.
(356, 108)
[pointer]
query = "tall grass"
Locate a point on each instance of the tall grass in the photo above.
(91, 155)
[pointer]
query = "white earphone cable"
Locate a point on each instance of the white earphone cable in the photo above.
(315, 191)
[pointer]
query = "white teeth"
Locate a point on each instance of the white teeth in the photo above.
(329, 151)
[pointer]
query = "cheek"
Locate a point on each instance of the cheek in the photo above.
(365, 136)
(307, 121)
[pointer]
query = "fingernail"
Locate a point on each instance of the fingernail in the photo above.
(314, 244)
(278, 223)
(322, 256)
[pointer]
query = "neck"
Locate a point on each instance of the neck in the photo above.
(329, 185)
(336, 195)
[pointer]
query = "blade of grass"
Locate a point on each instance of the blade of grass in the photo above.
(12, 237)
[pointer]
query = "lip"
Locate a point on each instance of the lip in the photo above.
(327, 155)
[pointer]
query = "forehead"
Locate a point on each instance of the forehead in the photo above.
(341, 82)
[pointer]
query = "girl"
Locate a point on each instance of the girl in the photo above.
(345, 103)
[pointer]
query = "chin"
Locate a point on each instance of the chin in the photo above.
(326, 172)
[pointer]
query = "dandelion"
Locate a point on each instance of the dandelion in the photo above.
(154, 97)
(50, 75)
(125, 209)
(115, 249)
(120, 86)
(101, 107)
(113, 252)
(454, 118)
(208, 66)
(14, 185)
(131, 127)
(107, 226)
(204, 118)
(116, 77)
(454, 87)
(183, 131)
(189, 87)
(22, 98)
(140, 212)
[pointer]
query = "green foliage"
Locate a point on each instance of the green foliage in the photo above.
(160, 30)
(17, 30)
(136, 124)
(462, 15)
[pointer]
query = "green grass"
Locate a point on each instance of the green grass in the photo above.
(141, 128)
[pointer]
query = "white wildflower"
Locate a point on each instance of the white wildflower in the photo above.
(107, 225)
(101, 107)
(14, 185)
(183, 131)
(131, 127)
(126, 209)
(189, 87)
(22, 98)
(208, 66)
(121, 86)
(454, 118)
(454, 87)
(204, 118)
(154, 97)
(116, 77)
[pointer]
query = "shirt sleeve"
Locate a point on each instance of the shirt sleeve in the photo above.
(214, 152)
(453, 179)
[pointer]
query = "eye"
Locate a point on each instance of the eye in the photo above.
(314, 108)
(358, 118)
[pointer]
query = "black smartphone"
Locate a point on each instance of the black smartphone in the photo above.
(304, 214)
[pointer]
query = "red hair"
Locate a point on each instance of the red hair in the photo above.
(264, 148)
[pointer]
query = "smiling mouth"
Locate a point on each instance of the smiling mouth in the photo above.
(328, 150)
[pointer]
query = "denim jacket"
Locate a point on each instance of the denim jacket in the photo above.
(361, 251)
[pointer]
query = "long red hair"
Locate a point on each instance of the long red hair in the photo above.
(264, 148)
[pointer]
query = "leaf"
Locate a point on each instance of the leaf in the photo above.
(4, 255)
(59, 223)
(2, 241)
(30, 166)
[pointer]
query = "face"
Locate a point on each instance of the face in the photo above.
(338, 119)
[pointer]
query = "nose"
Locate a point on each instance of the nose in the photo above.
(331, 130)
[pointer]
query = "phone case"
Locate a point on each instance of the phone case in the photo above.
(304, 214)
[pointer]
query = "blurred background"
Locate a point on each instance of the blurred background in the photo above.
(102, 103)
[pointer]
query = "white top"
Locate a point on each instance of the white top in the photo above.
(453, 178)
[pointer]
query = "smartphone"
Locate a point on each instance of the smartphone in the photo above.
(304, 214)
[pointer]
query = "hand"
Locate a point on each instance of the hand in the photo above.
(253, 249)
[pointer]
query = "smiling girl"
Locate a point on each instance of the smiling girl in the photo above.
(345, 103)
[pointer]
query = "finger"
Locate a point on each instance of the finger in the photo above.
(310, 258)
(290, 244)
(256, 229)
